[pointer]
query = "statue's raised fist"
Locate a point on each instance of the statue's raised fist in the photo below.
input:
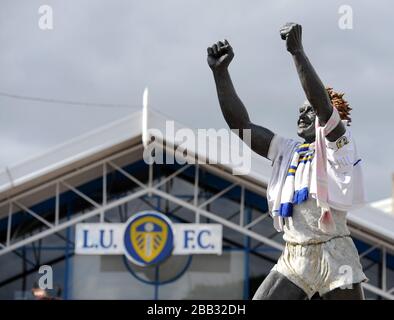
(220, 55)
(292, 34)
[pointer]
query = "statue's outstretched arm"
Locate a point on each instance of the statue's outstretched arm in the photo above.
(313, 87)
(234, 111)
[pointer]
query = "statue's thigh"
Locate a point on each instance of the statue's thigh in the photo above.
(277, 287)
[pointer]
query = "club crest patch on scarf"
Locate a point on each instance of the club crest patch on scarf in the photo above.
(342, 141)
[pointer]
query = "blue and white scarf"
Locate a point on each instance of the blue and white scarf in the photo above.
(296, 187)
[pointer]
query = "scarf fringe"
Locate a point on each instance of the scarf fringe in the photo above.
(326, 222)
(301, 195)
(286, 209)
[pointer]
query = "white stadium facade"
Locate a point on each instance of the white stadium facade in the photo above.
(101, 177)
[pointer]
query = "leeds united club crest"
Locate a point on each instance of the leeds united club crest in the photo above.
(148, 238)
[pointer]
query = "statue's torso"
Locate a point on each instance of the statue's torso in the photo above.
(302, 227)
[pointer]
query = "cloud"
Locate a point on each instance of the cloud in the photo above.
(108, 51)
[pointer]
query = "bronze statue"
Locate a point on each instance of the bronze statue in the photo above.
(319, 252)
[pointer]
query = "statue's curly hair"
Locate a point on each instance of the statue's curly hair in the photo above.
(340, 104)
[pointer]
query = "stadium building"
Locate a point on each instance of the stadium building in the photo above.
(101, 177)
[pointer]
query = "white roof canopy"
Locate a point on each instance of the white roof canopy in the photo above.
(102, 141)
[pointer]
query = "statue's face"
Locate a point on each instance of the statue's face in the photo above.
(306, 122)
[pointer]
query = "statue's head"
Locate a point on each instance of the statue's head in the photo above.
(307, 115)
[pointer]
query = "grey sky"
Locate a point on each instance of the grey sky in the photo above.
(108, 51)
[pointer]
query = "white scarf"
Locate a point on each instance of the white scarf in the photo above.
(296, 187)
(285, 190)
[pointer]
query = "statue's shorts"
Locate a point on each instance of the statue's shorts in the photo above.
(321, 267)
